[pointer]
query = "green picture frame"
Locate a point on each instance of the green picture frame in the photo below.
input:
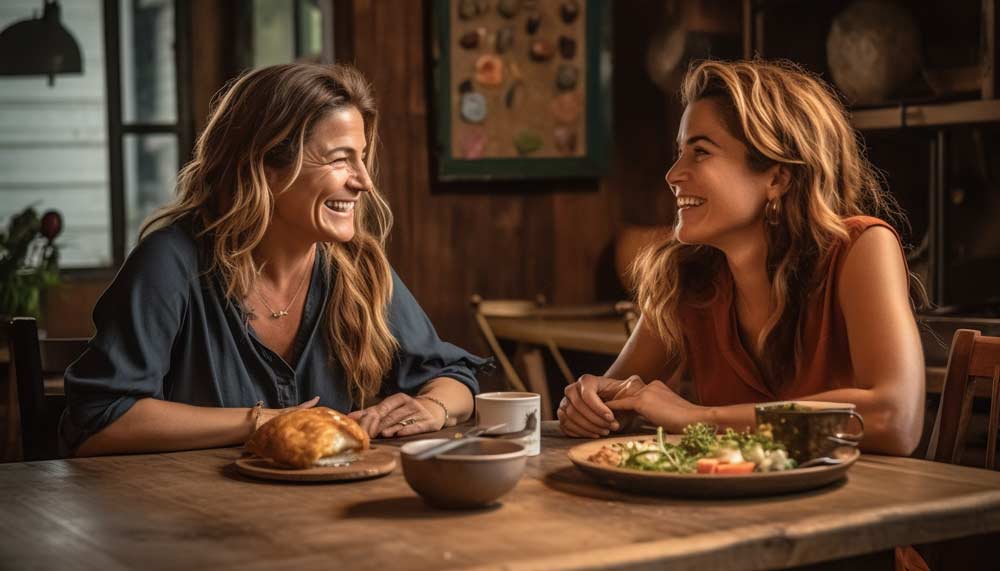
(590, 161)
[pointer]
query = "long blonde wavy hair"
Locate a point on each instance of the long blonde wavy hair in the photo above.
(785, 116)
(263, 119)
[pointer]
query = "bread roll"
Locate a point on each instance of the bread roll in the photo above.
(308, 438)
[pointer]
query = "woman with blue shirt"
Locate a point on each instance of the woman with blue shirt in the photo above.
(264, 287)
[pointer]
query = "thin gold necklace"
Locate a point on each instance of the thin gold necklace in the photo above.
(284, 312)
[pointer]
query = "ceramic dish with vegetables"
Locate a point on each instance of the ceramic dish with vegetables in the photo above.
(701, 463)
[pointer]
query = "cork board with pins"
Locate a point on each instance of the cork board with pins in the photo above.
(521, 88)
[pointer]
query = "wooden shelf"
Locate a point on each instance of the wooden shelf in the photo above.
(929, 115)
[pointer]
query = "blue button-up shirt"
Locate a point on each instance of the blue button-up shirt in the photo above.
(166, 330)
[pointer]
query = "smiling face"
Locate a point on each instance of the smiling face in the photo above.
(720, 199)
(319, 206)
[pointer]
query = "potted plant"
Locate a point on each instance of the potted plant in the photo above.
(29, 261)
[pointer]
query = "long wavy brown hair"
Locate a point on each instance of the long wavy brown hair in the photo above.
(264, 119)
(783, 115)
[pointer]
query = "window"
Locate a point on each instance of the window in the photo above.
(150, 137)
(284, 31)
(53, 140)
(150, 130)
(102, 147)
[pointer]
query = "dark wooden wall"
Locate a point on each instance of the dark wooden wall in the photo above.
(501, 240)
(505, 240)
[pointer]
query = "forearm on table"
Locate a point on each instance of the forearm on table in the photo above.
(153, 425)
(453, 394)
(891, 425)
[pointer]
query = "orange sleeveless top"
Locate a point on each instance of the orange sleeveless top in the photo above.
(723, 373)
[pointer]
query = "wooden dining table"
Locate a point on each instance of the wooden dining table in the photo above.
(194, 510)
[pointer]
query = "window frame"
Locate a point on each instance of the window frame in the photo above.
(182, 128)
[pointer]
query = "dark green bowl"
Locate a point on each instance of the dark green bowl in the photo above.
(810, 429)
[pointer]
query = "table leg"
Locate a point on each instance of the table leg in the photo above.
(533, 364)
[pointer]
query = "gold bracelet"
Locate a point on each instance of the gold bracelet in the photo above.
(440, 404)
(257, 410)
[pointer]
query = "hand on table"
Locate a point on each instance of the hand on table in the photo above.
(400, 415)
(660, 405)
(583, 412)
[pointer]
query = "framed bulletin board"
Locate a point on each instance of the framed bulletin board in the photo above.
(521, 88)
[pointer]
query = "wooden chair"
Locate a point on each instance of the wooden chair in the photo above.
(973, 358)
(531, 359)
(630, 315)
(33, 359)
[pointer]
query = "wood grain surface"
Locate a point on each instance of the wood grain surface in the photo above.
(194, 510)
(372, 463)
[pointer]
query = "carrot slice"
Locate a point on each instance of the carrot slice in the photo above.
(707, 465)
(738, 468)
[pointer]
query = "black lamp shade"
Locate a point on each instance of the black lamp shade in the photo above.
(40, 46)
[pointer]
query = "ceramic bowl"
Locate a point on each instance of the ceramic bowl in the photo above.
(471, 476)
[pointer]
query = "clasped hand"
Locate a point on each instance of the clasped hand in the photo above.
(595, 406)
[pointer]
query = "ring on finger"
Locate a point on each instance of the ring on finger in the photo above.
(407, 421)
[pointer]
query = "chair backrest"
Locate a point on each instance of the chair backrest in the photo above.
(33, 360)
(507, 307)
(484, 310)
(630, 315)
(972, 358)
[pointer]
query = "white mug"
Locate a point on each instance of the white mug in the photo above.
(512, 409)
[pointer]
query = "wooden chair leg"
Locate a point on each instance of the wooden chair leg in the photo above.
(560, 362)
(534, 371)
(994, 424)
(517, 355)
(513, 379)
(10, 448)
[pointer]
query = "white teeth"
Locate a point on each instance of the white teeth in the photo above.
(689, 201)
(340, 205)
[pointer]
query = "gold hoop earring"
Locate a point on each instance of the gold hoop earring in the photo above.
(772, 212)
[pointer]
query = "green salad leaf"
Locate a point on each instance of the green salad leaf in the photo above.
(702, 441)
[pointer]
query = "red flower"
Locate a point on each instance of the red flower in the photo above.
(51, 224)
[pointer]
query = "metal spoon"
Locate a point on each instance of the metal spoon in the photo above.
(454, 443)
(821, 461)
(839, 455)
(530, 424)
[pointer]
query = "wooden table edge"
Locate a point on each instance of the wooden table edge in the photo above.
(788, 545)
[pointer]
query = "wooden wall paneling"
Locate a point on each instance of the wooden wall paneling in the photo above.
(209, 66)
(584, 226)
(645, 120)
(503, 239)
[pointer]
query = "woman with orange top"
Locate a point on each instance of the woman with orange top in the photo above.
(782, 279)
